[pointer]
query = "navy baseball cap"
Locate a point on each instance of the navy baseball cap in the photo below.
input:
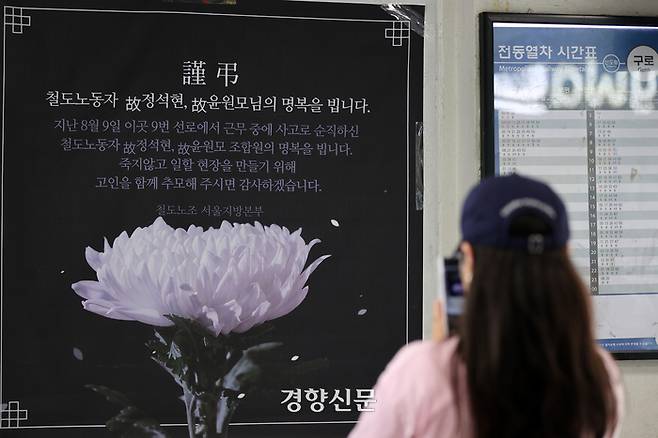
(493, 205)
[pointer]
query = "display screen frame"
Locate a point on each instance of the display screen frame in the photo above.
(487, 112)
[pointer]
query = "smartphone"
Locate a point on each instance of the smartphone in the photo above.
(453, 294)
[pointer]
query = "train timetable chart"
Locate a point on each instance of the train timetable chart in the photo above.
(613, 205)
(575, 105)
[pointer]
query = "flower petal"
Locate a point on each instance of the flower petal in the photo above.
(147, 316)
(94, 258)
(91, 290)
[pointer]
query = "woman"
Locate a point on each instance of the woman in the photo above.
(525, 363)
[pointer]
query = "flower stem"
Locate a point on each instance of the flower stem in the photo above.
(188, 398)
(208, 414)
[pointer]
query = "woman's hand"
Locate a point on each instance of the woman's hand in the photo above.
(439, 323)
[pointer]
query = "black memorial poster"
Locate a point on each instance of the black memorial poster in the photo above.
(158, 159)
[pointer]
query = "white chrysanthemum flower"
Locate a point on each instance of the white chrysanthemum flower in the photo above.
(228, 279)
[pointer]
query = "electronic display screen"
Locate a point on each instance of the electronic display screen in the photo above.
(573, 101)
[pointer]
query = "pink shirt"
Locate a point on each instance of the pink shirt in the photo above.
(415, 397)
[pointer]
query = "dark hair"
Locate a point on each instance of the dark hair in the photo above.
(526, 338)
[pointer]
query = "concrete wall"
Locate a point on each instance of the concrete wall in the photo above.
(452, 166)
(452, 147)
